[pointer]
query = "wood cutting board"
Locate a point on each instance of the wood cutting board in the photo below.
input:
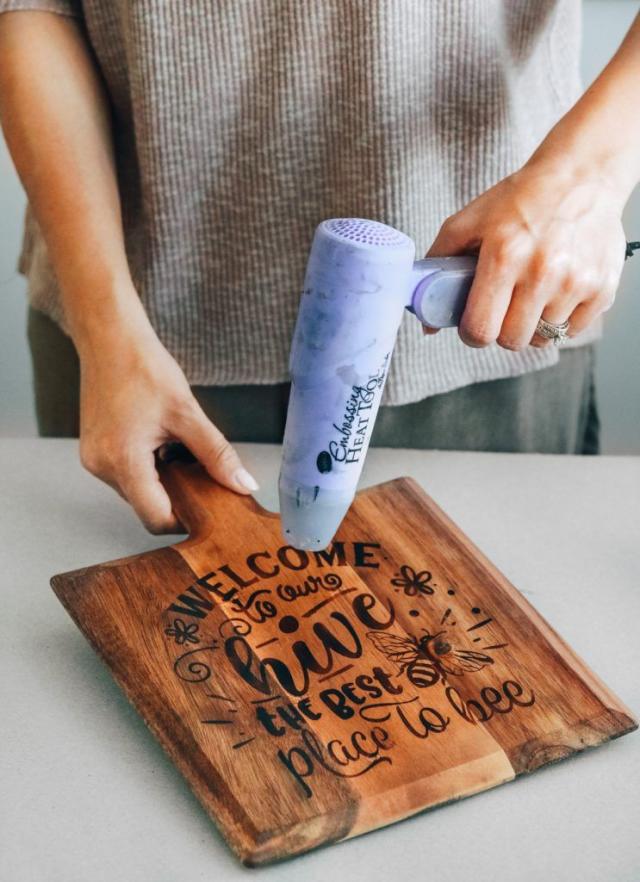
(308, 697)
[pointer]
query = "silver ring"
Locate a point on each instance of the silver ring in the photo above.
(551, 331)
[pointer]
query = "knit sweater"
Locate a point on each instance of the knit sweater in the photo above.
(240, 124)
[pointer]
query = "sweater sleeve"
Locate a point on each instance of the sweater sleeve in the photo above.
(59, 7)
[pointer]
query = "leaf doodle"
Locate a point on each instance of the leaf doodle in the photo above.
(194, 671)
(412, 582)
(183, 633)
(234, 626)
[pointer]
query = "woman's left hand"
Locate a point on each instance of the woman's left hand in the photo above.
(551, 246)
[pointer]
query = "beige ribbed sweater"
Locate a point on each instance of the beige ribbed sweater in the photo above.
(240, 124)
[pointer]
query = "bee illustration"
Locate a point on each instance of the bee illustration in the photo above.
(429, 658)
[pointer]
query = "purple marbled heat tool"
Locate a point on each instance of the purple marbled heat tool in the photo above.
(360, 278)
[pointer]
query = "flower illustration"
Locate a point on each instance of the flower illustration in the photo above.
(413, 583)
(183, 633)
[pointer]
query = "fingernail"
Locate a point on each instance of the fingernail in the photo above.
(244, 479)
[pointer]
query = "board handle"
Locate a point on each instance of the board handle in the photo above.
(198, 501)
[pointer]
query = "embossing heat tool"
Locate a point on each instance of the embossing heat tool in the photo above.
(361, 276)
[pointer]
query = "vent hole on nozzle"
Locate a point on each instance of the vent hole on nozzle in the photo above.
(367, 232)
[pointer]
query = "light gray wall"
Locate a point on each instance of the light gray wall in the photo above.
(618, 374)
(16, 410)
(605, 22)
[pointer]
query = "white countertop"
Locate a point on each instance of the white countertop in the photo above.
(87, 794)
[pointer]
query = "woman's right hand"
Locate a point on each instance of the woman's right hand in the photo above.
(134, 398)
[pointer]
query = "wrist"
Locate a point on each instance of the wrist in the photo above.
(601, 173)
(109, 323)
(575, 154)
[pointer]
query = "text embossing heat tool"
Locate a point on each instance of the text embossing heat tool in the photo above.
(360, 278)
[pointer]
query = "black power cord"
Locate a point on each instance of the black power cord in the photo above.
(631, 247)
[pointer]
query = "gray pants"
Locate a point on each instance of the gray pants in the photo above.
(547, 411)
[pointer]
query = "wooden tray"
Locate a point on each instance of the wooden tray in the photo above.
(311, 697)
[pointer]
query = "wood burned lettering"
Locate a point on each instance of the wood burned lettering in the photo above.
(303, 658)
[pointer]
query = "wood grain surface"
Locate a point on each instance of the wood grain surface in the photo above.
(312, 696)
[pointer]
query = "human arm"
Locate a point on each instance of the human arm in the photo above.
(134, 396)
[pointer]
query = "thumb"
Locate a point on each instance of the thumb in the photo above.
(213, 451)
(457, 235)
